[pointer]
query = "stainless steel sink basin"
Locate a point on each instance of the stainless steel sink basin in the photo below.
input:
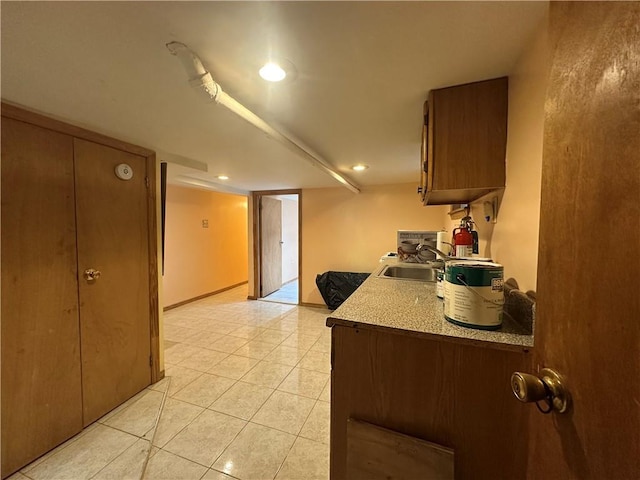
(411, 271)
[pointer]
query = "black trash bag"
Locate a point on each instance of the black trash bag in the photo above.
(336, 287)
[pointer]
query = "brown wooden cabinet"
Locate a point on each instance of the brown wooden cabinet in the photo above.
(72, 348)
(454, 395)
(464, 140)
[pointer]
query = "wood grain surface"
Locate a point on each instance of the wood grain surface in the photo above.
(467, 138)
(456, 396)
(587, 324)
(19, 113)
(375, 453)
(114, 310)
(41, 387)
(157, 372)
(270, 245)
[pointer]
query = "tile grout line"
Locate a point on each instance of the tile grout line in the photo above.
(294, 442)
(255, 413)
(249, 323)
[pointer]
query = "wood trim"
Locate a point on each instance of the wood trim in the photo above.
(20, 113)
(312, 305)
(431, 131)
(255, 223)
(205, 295)
(154, 307)
(256, 244)
(300, 248)
(290, 191)
(252, 297)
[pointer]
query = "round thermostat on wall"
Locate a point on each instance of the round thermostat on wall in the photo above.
(124, 172)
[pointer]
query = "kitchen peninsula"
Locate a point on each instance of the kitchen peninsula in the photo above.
(397, 364)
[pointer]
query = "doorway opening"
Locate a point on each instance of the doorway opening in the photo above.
(276, 246)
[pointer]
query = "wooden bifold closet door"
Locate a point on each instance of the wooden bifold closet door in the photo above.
(41, 388)
(72, 348)
(113, 240)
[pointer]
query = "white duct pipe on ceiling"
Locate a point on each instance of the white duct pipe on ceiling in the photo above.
(201, 79)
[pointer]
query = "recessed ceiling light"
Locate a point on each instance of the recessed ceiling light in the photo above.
(223, 177)
(272, 72)
(360, 167)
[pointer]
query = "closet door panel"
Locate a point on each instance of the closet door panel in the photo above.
(114, 308)
(41, 379)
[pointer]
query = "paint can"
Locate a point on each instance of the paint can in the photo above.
(474, 294)
(440, 283)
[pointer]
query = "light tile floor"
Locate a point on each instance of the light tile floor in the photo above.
(246, 396)
(288, 293)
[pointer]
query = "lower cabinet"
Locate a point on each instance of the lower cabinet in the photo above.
(444, 408)
(75, 343)
(376, 453)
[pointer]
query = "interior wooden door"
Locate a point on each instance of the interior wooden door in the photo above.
(114, 308)
(587, 325)
(270, 245)
(41, 392)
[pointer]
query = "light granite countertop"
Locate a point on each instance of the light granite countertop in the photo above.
(412, 308)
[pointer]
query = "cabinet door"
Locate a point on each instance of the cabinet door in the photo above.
(471, 122)
(114, 309)
(41, 391)
(466, 141)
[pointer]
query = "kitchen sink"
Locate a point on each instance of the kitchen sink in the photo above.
(411, 271)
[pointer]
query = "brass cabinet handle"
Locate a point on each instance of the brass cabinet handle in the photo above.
(91, 274)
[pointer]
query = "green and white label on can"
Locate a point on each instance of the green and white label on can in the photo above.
(474, 294)
(440, 283)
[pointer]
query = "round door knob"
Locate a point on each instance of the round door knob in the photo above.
(527, 387)
(549, 386)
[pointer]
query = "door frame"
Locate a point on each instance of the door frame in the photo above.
(257, 240)
(19, 113)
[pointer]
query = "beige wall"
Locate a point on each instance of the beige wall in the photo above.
(349, 232)
(203, 260)
(513, 240)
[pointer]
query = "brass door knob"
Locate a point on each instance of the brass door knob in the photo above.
(527, 387)
(548, 387)
(91, 274)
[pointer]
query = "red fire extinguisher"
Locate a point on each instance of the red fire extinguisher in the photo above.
(463, 239)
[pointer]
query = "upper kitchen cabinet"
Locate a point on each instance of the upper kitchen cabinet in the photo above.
(464, 140)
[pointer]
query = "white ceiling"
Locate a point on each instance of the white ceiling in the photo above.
(363, 72)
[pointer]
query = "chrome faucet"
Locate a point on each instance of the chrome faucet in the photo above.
(434, 250)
